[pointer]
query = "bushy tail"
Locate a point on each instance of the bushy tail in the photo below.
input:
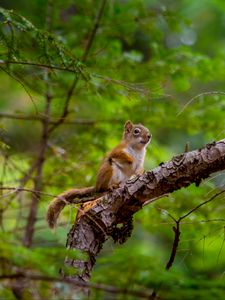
(58, 203)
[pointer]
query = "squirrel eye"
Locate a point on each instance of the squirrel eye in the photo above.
(137, 131)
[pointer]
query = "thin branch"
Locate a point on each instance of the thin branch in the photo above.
(197, 96)
(20, 189)
(52, 120)
(94, 30)
(76, 283)
(177, 232)
(29, 231)
(192, 222)
(42, 118)
(133, 87)
(66, 106)
(36, 64)
(22, 84)
(84, 58)
(79, 200)
(201, 204)
(20, 117)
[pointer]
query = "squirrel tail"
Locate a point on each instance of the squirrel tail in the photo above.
(58, 203)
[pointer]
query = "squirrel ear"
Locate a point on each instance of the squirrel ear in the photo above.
(128, 126)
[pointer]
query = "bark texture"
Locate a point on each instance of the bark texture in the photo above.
(117, 207)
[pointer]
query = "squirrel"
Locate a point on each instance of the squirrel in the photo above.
(125, 160)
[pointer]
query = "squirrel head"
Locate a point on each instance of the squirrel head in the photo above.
(136, 135)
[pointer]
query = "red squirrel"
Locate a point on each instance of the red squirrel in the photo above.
(125, 160)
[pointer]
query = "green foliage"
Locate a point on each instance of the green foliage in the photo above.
(161, 63)
(17, 36)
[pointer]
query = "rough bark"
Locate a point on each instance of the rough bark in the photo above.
(117, 207)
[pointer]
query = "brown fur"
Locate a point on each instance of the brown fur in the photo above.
(125, 160)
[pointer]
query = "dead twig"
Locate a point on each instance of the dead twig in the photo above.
(177, 232)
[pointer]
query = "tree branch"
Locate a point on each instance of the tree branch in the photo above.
(28, 236)
(80, 199)
(76, 283)
(84, 58)
(177, 232)
(29, 230)
(94, 30)
(36, 64)
(119, 206)
(53, 120)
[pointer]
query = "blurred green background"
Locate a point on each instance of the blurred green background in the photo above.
(147, 61)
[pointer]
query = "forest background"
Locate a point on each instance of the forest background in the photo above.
(72, 72)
